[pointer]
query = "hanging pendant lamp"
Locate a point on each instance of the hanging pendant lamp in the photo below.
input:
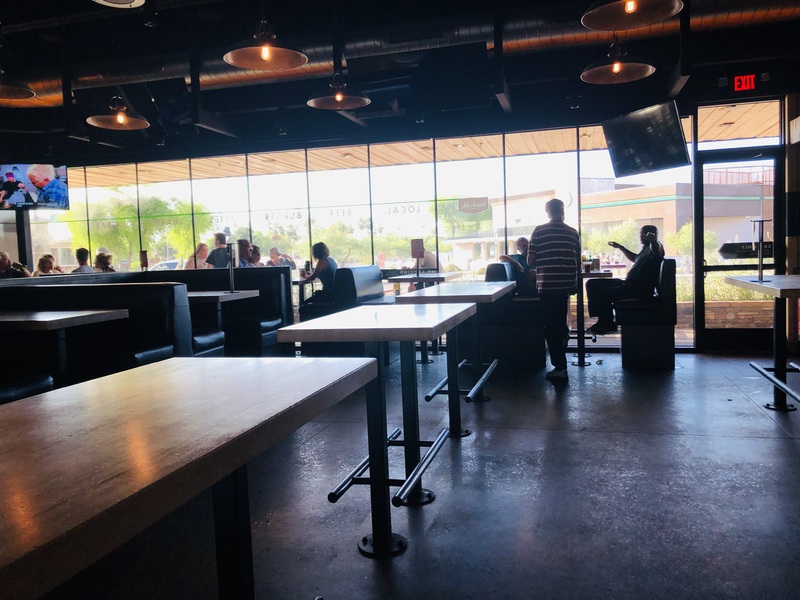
(119, 118)
(11, 89)
(619, 15)
(121, 3)
(260, 53)
(617, 67)
(338, 97)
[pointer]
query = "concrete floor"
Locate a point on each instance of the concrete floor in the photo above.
(617, 485)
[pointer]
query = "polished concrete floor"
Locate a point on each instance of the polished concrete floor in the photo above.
(617, 485)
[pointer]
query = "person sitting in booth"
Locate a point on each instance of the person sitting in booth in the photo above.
(198, 259)
(82, 256)
(102, 263)
(640, 282)
(525, 275)
(245, 249)
(255, 257)
(11, 270)
(324, 270)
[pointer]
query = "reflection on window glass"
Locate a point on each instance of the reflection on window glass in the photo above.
(738, 125)
(339, 201)
(403, 194)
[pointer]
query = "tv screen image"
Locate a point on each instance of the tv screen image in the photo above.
(646, 140)
(35, 185)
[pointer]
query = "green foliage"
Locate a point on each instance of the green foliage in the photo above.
(682, 242)
(455, 223)
(625, 233)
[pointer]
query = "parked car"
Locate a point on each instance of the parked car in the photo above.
(166, 265)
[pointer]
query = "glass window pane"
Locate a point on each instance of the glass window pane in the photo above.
(279, 203)
(403, 194)
(470, 198)
(114, 214)
(739, 125)
(338, 183)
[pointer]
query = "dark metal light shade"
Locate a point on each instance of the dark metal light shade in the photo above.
(11, 89)
(264, 57)
(121, 3)
(605, 72)
(260, 53)
(338, 97)
(118, 119)
(619, 15)
(617, 67)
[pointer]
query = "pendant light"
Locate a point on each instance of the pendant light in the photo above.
(11, 89)
(618, 67)
(121, 3)
(619, 15)
(118, 118)
(260, 52)
(338, 97)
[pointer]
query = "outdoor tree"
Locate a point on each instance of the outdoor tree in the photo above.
(456, 222)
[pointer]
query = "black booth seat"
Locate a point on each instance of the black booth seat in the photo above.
(352, 286)
(29, 386)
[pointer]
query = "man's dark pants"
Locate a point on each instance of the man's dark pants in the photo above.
(554, 309)
(601, 294)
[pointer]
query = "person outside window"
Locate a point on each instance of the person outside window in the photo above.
(245, 249)
(47, 266)
(555, 252)
(641, 281)
(82, 256)
(279, 259)
(218, 257)
(255, 257)
(11, 270)
(198, 259)
(102, 263)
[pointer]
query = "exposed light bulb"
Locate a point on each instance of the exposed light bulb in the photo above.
(265, 52)
(616, 67)
(339, 96)
(121, 118)
(630, 6)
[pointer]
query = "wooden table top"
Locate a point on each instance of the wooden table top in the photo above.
(301, 281)
(778, 286)
(85, 467)
(425, 277)
(596, 274)
(50, 320)
(482, 292)
(221, 296)
(380, 323)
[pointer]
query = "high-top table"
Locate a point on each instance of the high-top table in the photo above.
(86, 467)
(374, 325)
(218, 298)
(482, 293)
(781, 288)
(426, 279)
(53, 323)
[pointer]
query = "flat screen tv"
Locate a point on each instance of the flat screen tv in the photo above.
(646, 140)
(38, 185)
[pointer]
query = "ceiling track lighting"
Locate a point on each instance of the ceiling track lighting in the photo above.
(118, 118)
(121, 3)
(620, 15)
(261, 54)
(618, 67)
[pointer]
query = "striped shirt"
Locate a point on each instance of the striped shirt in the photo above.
(556, 250)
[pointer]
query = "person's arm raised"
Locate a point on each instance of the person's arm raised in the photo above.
(631, 256)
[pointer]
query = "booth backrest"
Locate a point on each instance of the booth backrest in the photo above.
(158, 325)
(499, 271)
(355, 285)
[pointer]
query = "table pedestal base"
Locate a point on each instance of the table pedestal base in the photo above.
(780, 408)
(425, 496)
(397, 545)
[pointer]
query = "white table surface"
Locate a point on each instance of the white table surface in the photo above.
(482, 292)
(380, 323)
(778, 286)
(50, 320)
(221, 296)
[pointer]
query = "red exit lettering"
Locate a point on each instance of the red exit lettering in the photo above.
(743, 83)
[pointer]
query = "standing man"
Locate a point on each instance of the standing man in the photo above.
(640, 282)
(245, 252)
(218, 257)
(555, 252)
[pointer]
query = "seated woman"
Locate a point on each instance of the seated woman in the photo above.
(524, 274)
(102, 263)
(324, 271)
(198, 259)
(255, 257)
(47, 266)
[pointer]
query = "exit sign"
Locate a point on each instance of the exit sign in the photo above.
(744, 83)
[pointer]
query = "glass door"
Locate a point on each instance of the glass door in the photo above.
(735, 195)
